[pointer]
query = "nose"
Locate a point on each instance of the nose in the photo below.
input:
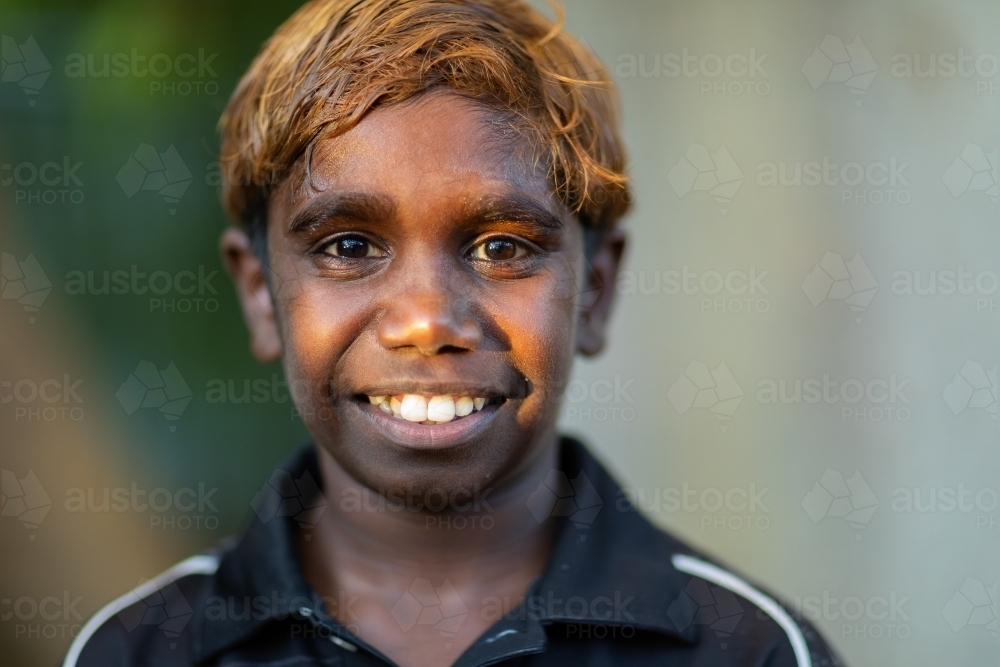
(431, 318)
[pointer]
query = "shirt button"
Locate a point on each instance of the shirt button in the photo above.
(305, 611)
(347, 646)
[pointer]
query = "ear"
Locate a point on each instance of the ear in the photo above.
(247, 272)
(601, 276)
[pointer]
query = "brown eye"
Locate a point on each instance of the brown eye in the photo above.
(499, 249)
(352, 247)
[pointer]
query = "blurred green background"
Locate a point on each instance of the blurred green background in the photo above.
(99, 120)
(94, 120)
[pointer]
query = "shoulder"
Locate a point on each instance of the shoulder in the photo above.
(151, 619)
(731, 619)
(733, 610)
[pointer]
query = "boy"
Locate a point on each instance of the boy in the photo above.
(429, 192)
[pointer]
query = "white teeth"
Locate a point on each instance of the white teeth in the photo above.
(441, 409)
(413, 408)
(463, 406)
(434, 410)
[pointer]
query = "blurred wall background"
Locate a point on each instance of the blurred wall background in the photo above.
(803, 371)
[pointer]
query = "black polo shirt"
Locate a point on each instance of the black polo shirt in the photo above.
(617, 591)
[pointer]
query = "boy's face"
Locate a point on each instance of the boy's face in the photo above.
(425, 258)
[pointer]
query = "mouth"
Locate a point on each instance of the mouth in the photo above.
(430, 422)
(430, 410)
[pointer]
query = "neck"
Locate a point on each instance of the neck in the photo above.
(365, 536)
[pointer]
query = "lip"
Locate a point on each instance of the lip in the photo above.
(430, 437)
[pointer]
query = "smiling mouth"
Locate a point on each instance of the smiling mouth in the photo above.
(430, 410)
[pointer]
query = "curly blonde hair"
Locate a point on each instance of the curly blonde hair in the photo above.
(334, 61)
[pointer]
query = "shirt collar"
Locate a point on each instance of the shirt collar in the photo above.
(604, 551)
(261, 575)
(609, 565)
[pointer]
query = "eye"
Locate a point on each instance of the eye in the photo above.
(353, 246)
(499, 249)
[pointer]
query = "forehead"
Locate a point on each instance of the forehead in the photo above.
(434, 148)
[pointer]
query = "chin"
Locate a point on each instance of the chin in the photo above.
(425, 465)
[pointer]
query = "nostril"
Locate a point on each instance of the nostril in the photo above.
(446, 349)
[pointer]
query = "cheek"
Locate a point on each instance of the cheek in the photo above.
(539, 319)
(317, 324)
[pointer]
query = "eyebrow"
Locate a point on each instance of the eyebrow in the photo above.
(512, 208)
(356, 206)
(368, 207)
